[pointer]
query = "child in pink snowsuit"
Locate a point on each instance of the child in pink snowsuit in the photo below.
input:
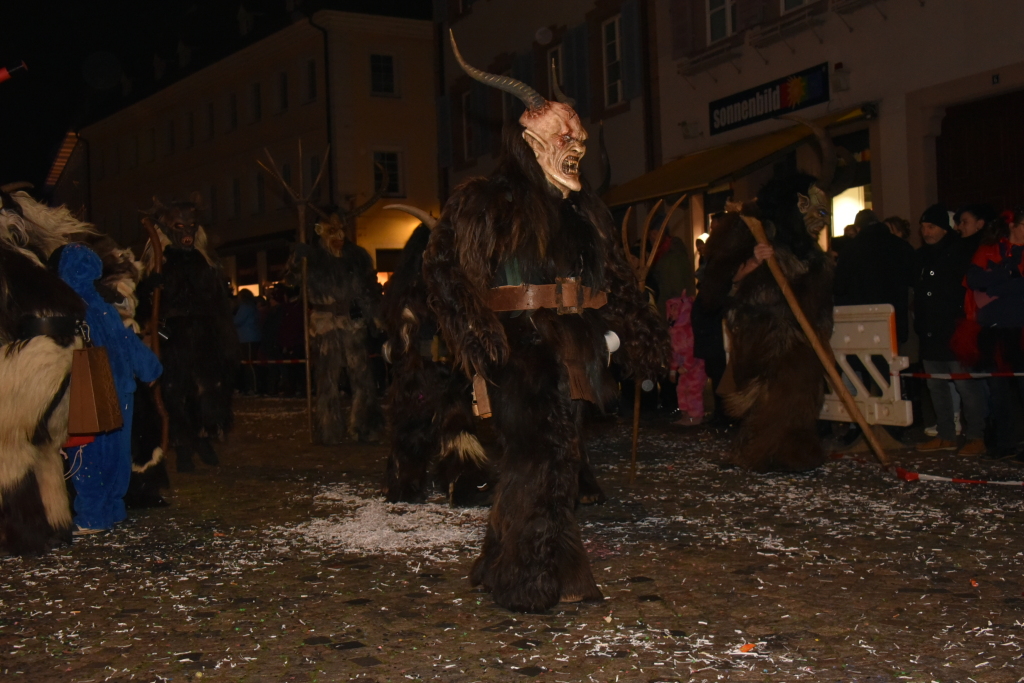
(690, 370)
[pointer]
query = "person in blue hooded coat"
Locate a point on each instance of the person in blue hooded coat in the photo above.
(102, 480)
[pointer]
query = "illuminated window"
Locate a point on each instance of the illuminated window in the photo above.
(391, 162)
(846, 205)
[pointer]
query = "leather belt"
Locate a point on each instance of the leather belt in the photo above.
(566, 296)
(55, 327)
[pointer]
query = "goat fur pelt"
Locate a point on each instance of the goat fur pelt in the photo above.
(35, 514)
(429, 407)
(200, 352)
(513, 225)
(344, 299)
(778, 382)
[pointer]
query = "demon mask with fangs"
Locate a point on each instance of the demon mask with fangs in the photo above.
(332, 234)
(552, 129)
(179, 221)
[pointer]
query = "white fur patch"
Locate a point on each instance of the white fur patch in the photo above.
(30, 377)
(154, 460)
(466, 447)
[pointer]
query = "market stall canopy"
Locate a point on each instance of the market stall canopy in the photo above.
(709, 167)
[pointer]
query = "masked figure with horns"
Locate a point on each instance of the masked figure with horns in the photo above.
(528, 283)
(200, 348)
(774, 381)
(344, 300)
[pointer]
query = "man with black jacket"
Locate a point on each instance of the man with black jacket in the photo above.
(938, 304)
(876, 267)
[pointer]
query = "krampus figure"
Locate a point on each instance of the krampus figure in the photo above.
(429, 406)
(526, 277)
(344, 300)
(200, 350)
(121, 275)
(775, 382)
(39, 322)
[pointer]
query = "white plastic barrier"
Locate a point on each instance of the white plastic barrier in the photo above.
(868, 333)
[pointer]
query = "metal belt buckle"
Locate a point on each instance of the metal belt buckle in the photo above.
(569, 299)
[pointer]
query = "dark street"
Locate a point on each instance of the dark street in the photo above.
(284, 564)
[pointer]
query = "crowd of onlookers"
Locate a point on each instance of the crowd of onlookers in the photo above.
(959, 308)
(270, 329)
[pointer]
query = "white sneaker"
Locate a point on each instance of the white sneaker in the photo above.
(931, 431)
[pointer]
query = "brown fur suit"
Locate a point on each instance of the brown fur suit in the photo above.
(344, 299)
(778, 380)
(429, 405)
(515, 220)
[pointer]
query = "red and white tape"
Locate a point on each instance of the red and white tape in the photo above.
(907, 475)
(959, 375)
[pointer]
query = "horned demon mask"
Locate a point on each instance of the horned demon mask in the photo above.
(552, 129)
(816, 205)
(332, 234)
(179, 221)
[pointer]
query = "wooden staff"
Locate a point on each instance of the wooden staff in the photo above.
(154, 331)
(825, 356)
(301, 202)
(641, 266)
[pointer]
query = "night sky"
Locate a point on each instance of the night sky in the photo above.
(89, 58)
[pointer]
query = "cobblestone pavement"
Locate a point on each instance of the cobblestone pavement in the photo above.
(283, 565)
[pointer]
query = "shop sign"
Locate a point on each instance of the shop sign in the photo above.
(782, 96)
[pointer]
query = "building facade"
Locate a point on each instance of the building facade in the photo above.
(359, 85)
(923, 93)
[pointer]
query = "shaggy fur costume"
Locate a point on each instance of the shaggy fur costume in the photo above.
(429, 407)
(121, 274)
(344, 298)
(778, 380)
(533, 555)
(34, 373)
(200, 351)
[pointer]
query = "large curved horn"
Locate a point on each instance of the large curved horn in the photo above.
(14, 187)
(530, 97)
(385, 179)
(424, 217)
(557, 91)
(829, 160)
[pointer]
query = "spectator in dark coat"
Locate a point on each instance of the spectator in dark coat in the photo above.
(876, 267)
(995, 302)
(938, 305)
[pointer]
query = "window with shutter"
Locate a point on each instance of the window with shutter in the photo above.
(611, 53)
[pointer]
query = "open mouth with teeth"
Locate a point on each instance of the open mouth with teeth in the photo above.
(571, 165)
(187, 240)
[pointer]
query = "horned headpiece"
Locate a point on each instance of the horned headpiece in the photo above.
(552, 129)
(816, 204)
